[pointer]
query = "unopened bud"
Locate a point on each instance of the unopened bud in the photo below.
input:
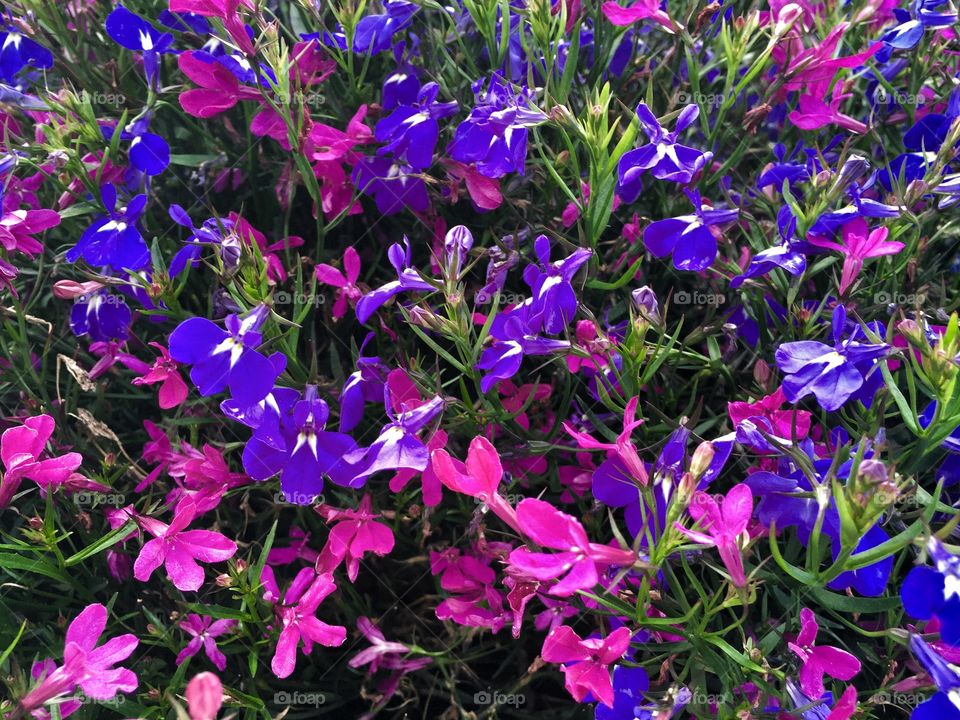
(71, 289)
(645, 300)
(204, 696)
(873, 472)
(702, 458)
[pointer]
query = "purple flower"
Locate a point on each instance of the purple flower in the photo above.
(393, 185)
(365, 384)
(397, 446)
(929, 592)
(114, 239)
(663, 156)
(222, 358)
(690, 238)
(149, 153)
(407, 279)
(554, 301)
(374, 33)
(203, 631)
(494, 135)
(289, 439)
(134, 33)
(831, 374)
(946, 679)
(515, 339)
(786, 256)
(100, 315)
(16, 52)
(411, 130)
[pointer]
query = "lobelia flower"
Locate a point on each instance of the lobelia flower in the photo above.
(554, 301)
(20, 450)
(787, 255)
(346, 282)
(203, 631)
(494, 135)
(178, 549)
(814, 112)
(374, 33)
(149, 153)
(515, 339)
(723, 526)
(289, 439)
(579, 560)
(585, 662)
(17, 51)
(629, 686)
(101, 315)
(943, 705)
(831, 374)
(929, 593)
(912, 23)
(664, 157)
(411, 130)
(393, 185)
(17, 228)
(299, 624)
(691, 238)
(114, 239)
(353, 533)
(173, 390)
(787, 424)
(859, 243)
(819, 660)
(204, 696)
(366, 384)
(408, 278)
(643, 9)
(476, 602)
(383, 653)
(227, 11)
(131, 31)
(479, 477)
(219, 88)
(223, 358)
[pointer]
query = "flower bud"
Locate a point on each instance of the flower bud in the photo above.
(702, 457)
(645, 300)
(71, 289)
(204, 696)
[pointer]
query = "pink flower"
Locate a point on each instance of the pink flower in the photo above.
(846, 706)
(173, 390)
(86, 665)
(110, 353)
(387, 655)
(768, 407)
(483, 191)
(579, 558)
(346, 284)
(178, 549)
(299, 624)
(819, 660)
(623, 448)
(18, 227)
(204, 696)
(354, 533)
(226, 10)
(479, 477)
(859, 243)
(204, 631)
(298, 549)
(641, 10)
(586, 662)
(20, 449)
(219, 88)
(722, 526)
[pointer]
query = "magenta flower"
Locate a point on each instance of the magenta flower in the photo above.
(354, 533)
(173, 390)
(585, 663)
(219, 88)
(299, 624)
(345, 282)
(578, 561)
(387, 655)
(86, 665)
(178, 549)
(723, 526)
(641, 10)
(623, 449)
(819, 660)
(859, 243)
(479, 478)
(18, 227)
(20, 450)
(204, 631)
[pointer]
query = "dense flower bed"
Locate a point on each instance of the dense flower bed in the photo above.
(498, 358)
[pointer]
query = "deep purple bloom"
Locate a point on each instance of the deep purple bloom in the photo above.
(515, 339)
(289, 439)
(407, 279)
(185, 22)
(411, 130)
(831, 374)
(149, 153)
(374, 33)
(131, 31)
(397, 446)
(911, 24)
(787, 255)
(664, 157)
(114, 239)
(393, 185)
(18, 51)
(554, 301)
(494, 135)
(226, 357)
(629, 686)
(366, 384)
(942, 705)
(929, 592)
(100, 315)
(689, 237)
